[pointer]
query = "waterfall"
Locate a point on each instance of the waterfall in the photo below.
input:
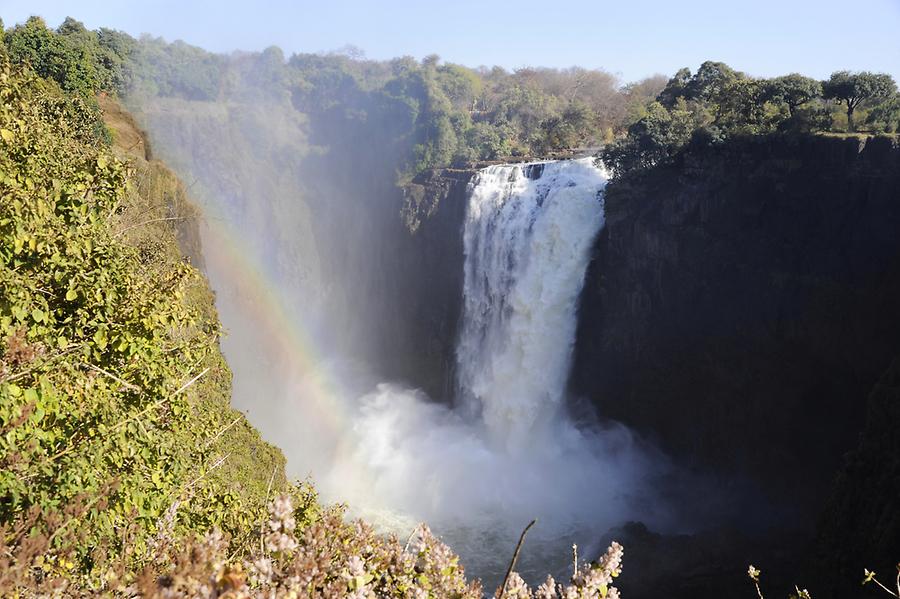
(528, 235)
(507, 452)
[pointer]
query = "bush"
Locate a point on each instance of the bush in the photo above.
(113, 392)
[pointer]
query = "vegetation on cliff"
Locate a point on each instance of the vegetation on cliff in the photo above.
(717, 103)
(447, 114)
(114, 393)
(440, 114)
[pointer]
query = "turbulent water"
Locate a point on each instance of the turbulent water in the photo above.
(507, 453)
(528, 234)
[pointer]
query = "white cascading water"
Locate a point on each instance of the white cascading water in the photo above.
(528, 236)
(479, 474)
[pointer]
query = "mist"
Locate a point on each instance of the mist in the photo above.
(307, 244)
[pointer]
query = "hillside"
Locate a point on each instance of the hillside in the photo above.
(114, 392)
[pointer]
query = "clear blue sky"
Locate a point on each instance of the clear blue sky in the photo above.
(633, 38)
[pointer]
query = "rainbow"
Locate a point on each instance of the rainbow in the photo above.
(327, 404)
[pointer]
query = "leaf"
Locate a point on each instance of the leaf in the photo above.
(38, 315)
(71, 295)
(7, 135)
(100, 338)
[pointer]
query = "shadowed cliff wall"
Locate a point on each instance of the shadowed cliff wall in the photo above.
(742, 303)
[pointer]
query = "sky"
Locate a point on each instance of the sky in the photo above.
(632, 38)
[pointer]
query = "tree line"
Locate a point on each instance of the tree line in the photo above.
(447, 114)
(718, 102)
(443, 114)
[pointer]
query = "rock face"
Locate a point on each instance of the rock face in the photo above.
(860, 526)
(739, 308)
(742, 303)
(428, 300)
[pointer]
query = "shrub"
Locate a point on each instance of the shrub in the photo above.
(113, 391)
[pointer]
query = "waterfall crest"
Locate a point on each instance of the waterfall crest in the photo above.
(528, 235)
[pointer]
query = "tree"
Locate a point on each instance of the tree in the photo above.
(79, 60)
(72, 27)
(794, 90)
(711, 80)
(461, 85)
(675, 88)
(854, 88)
(740, 108)
(886, 115)
(114, 56)
(655, 139)
(431, 61)
(707, 85)
(570, 129)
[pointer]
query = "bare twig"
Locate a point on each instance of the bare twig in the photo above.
(159, 402)
(515, 558)
(124, 383)
(262, 538)
(148, 211)
(271, 480)
(758, 590)
(217, 463)
(410, 537)
(221, 432)
(147, 222)
(886, 590)
(191, 382)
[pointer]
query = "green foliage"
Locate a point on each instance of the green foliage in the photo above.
(718, 102)
(712, 82)
(794, 90)
(855, 88)
(656, 138)
(177, 69)
(427, 113)
(886, 115)
(112, 386)
(80, 61)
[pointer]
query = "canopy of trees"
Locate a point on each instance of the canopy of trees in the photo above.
(718, 102)
(854, 88)
(81, 61)
(438, 114)
(446, 113)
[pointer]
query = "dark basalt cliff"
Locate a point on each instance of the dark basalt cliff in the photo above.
(740, 306)
(742, 303)
(860, 526)
(429, 274)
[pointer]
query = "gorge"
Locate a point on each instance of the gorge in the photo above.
(502, 449)
(249, 297)
(661, 276)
